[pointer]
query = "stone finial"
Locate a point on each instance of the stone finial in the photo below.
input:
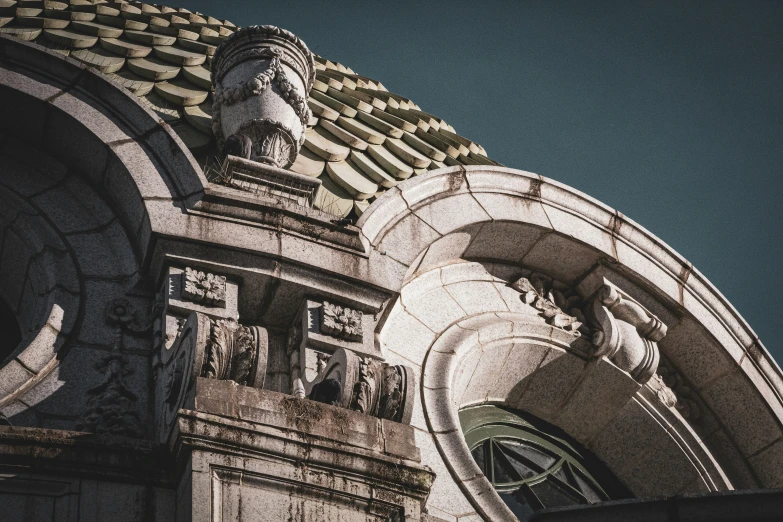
(262, 77)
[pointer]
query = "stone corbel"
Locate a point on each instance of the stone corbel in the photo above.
(219, 349)
(322, 328)
(366, 385)
(626, 332)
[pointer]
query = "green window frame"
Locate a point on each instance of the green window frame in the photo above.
(533, 465)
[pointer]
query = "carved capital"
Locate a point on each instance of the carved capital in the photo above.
(204, 347)
(366, 385)
(626, 333)
(236, 353)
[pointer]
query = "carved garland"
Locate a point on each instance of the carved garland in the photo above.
(256, 85)
(552, 299)
(305, 70)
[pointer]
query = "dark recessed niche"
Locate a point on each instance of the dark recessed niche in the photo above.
(10, 334)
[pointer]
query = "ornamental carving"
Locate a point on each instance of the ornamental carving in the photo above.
(341, 322)
(235, 352)
(626, 333)
(366, 385)
(208, 348)
(262, 77)
(686, 401)
(558, 304)
(204, 288)
(111, 406)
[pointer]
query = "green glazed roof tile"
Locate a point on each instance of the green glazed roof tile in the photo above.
(362, 139)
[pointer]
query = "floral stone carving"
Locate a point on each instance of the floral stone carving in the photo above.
(558, 304)
(686, 401)
(262, 77)
(341, 322)
(236, 352)
(204, 288)
(111, 406)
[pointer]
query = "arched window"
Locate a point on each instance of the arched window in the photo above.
(533, 465)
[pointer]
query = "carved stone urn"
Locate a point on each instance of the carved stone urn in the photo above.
(262, 76)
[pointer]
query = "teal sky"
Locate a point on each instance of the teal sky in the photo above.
(670, 111)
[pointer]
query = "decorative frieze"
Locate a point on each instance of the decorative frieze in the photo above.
(557, 303)
(626, 333)
(262, 77)
(204, 288)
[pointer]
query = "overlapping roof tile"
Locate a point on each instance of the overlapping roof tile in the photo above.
(361, 139)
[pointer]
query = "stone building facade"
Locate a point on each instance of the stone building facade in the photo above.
(243, 282)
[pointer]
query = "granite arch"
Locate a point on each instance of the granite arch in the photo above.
(503, 219)
(88, 175)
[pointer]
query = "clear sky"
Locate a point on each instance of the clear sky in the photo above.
(669, 111)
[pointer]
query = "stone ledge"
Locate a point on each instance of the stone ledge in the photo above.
(278, 214)
(239, 420)
(84, 454)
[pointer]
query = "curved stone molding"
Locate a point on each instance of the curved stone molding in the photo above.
(96, 127)
(475, 340)
(260, 111)
(66, 267)
(627, 333)
(509, 216)
(107, 176)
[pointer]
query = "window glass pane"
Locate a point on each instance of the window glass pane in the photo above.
(587, 490)
(520, 465)
(516, 503)
(504, 472)
(552, 496)
(534, 465)
(478, 456)
(533, 454)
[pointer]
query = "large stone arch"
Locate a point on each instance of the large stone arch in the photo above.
(87, 177)
(502, 220)
(97, 128)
